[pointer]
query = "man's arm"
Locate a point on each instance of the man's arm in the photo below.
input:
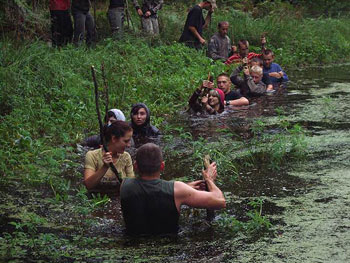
(185, 194)
(196, 34)
(93, 177)
(137, 7)
(239, 102)
(159, 5)
(235, 78)
(207, 19)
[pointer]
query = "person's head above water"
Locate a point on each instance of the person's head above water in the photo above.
(268, 58)
(114, 115)
(224, 83)
(140, 114)
(243, 47)
(149, 159)
(216, 97)
(257, 73)
(118, 136)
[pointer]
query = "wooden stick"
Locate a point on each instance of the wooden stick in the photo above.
(105, 88)
(114, 170)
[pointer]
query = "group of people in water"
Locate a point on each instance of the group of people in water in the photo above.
(149, 204)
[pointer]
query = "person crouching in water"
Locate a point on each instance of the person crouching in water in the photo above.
(97, 172)
(140, 121)
(207, 99)
(112, 115)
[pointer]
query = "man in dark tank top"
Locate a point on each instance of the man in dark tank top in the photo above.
(151, 206)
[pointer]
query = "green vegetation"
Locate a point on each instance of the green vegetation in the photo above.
(255, 224)
(47, 108)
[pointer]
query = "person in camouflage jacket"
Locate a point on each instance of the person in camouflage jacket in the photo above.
(148, 13)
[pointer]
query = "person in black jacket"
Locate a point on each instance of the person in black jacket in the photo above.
(140, 121)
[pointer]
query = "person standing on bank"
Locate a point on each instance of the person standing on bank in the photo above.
(97, 172)
(192, 34)
(61, 22)
(115, 16)
(83, 21)
(148, 13)
(151, 206)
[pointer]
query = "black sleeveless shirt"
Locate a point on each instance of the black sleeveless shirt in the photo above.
(148, 206)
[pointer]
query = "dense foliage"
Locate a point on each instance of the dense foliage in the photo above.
(47, 107)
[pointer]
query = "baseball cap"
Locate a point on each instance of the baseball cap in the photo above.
(213, 3)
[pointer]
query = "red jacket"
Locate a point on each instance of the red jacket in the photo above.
(59, 5)
(236, 58)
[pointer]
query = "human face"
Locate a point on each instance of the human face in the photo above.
(268, 59)
(223, 30)
(256, 77)
(213, 100)
(121, 143)
(224, 83)
(111, 120)
(140, 117)
(243, 50)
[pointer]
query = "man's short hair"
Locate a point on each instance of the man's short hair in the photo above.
(149, 158)
(220, 24)
(256, 69)
(257, 60)
(243, 42)
(223, 75)
(268, 52)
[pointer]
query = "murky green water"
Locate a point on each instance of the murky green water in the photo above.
(306, 201)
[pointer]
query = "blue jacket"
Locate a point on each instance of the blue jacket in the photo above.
(276, 68)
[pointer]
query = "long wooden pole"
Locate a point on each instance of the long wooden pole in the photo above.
(114, 170)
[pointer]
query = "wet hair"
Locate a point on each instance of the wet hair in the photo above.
(117, 129)
(268, 52)
(257, 60)
(223, 75)
(243, 42)
(149, 158)
(256, 69)
(220, 24)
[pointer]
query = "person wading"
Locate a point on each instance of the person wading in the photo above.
(97, 172)
(151, 206)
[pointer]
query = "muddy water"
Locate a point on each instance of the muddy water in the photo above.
(307, 202)
(316, 222)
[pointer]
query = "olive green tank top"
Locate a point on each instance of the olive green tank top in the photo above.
(148, 206)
